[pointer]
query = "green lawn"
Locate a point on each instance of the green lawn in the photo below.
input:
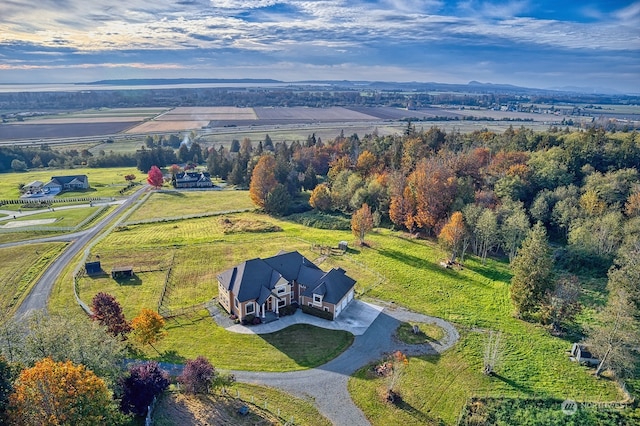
(296, 348)
(175, 204)
(19, 268)
(104, 182)
(64, 218)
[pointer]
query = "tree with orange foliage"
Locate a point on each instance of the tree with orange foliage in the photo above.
(452, 234)
(61, 393)
(263, 180)
(154, 177)
(632, 206)
(148, 327)
(366, 163)
(362, 222)
(434, 188)
(338, 165)
(321, 198)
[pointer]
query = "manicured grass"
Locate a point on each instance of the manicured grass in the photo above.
(104, 182)
(64, 218)
(19, 268)
(427, 333)
(296, 348)
(176, 203)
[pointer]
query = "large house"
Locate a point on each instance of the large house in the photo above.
(64, 183)
(259, 286)
(192, 180)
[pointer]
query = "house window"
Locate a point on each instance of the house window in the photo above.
(237, 303)
(281, 290)
(326, 309)
(281, 303)
(317, 298)
(250, 308)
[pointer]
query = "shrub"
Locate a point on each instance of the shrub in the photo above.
(316, 312)
(320, 220)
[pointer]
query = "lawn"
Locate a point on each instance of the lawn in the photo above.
(19, 268)
(296, 348)
(104, 182)
(162, 205)
(63, 218)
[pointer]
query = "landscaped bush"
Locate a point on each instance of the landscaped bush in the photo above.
(316, 312)
(320, 220)
(288, 310)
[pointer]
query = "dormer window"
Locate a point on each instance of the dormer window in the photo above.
(317, 298)
(281, 289)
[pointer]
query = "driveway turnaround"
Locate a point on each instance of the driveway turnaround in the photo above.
(327, 385)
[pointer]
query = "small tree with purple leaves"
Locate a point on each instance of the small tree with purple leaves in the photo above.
(108, 312)
(138, 388)
(198, 376)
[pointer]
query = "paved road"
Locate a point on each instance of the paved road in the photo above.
(327, 384)
(39, 295)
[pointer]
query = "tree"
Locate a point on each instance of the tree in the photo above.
(398, 362)
(144, 382)
(130, 177)
(278, 201)
(6, 387)
(562, 304)
(174, 169)
(320, 198)
(263, 180)
(366, 163)
(198, 375)
(486, 232)
(362, 222)
(148, 327)
(514, 229)
(154, 177)
(310, 179)
(452, 234)
(492, 351)
(108, 312)
(18, 165)
(612, 341)
(61, 393)
(532, 272)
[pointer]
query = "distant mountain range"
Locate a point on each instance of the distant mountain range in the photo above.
(472, 86)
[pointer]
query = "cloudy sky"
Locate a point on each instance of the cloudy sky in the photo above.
(544, 43)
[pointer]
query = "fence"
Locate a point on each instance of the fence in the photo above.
(51, 200)
(79, 226)
(188, 216)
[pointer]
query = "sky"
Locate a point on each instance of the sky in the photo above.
(544, 43)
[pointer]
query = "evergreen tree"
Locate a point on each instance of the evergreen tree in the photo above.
(532, 272)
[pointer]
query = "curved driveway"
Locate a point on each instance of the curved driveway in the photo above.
(39, 295)
(327, 385)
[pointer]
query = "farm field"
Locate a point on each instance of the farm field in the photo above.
(103, 182)
(19, 267)
(168, 204)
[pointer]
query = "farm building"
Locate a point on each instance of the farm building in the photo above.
(119, 272)
(192, 180)
(64, 183)
(93, 268)
(260, 286)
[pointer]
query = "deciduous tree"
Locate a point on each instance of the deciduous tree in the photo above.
(263, 180)
(148, 327)
(141, 385)
(362, 222)
(61, 393)
(108, 312)
(452, 234)
(198, 375)
(154, 177)
(321, 198)
(532, 272)
(562, 305)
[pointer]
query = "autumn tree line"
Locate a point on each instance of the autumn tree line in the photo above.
(57, 370)
(560, 206)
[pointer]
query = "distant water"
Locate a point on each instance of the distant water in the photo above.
(61, 87)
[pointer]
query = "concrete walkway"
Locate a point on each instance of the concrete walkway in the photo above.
(356, 319)
(327, 385)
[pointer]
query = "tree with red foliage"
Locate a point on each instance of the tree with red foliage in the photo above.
(154, 177)
(141, 385)
(198, 375)
(108, 312)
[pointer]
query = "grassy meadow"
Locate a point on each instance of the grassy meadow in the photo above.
(435, 388)
(19, 268)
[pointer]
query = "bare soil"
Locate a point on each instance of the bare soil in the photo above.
(208, 410)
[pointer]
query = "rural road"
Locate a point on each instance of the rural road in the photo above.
(326, 385)
(39, 295)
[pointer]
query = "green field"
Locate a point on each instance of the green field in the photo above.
(103, 182)
(19, 268)
(161, 205)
